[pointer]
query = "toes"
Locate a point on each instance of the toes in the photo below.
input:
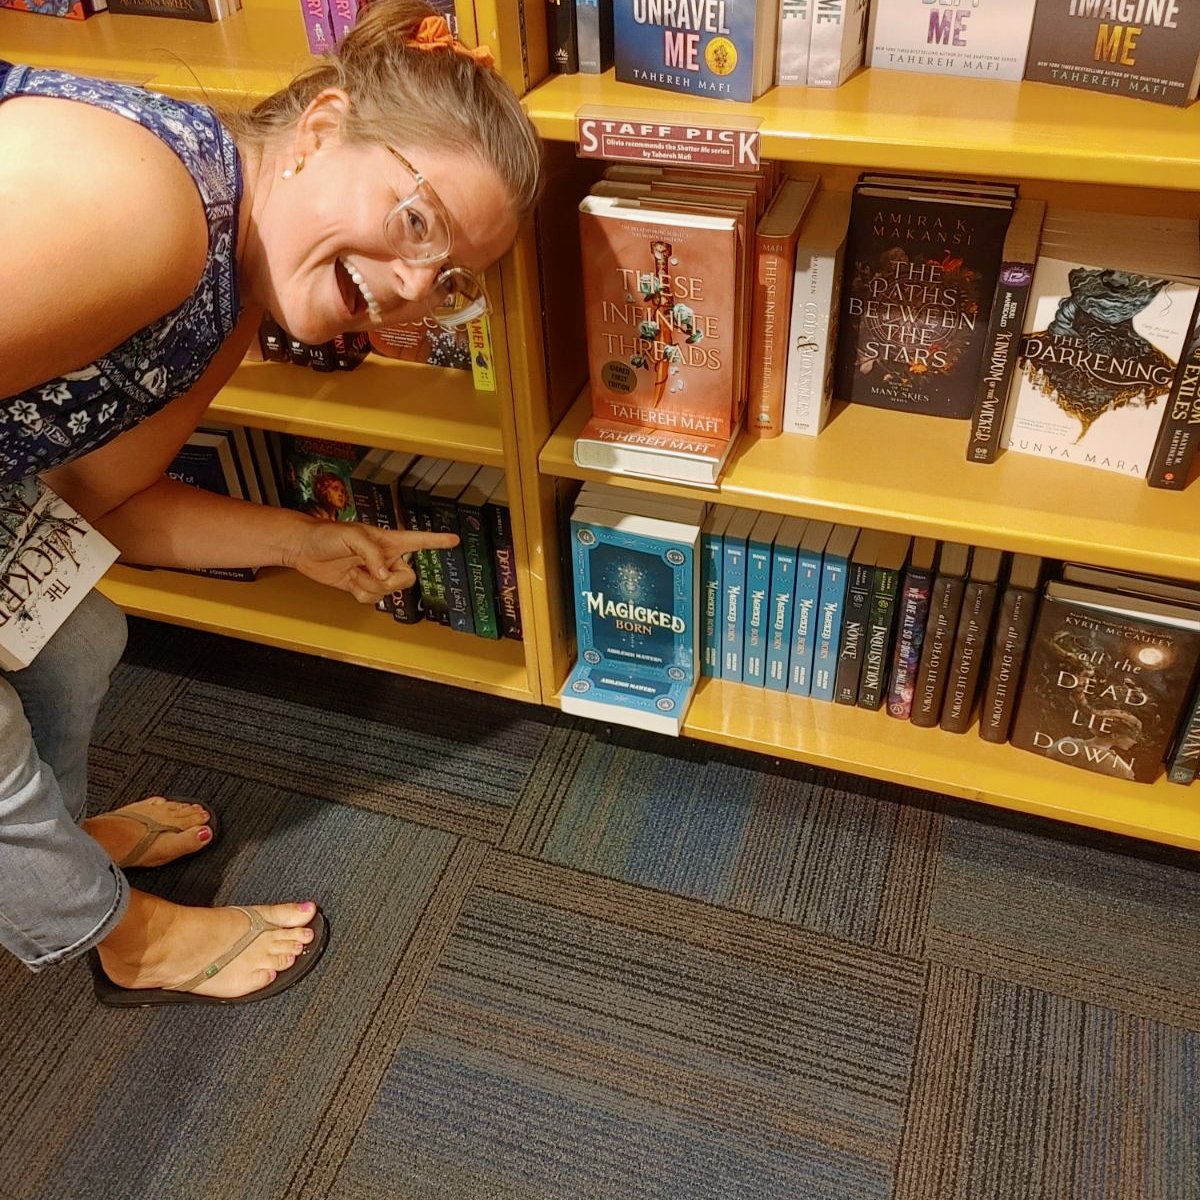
(289, 916)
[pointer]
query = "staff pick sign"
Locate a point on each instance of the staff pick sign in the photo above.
(668, 144)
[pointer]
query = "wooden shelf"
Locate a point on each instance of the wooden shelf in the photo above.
(873, 744)
(284, 609)
(428, 410)
(902, 121)
(892, 470)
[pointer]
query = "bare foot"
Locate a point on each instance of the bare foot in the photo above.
(119, 834)
(163, 945)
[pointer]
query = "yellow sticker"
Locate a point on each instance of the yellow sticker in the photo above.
(720, 55)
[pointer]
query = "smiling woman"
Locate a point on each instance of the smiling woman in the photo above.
(377, 186)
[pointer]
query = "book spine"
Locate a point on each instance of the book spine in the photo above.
(594, 35)
(711, 625)
(829, 628)
(806, 607)
(1014, 622)
(404, 606)
(343, 14)
(881, 620)
(812, 337)
(317, 26)
(910, 634)
(444, 513)
(504, 560)
(758, 600)
(851, 648)
(945, 604)
(564, 43)
(770, 322)
(795, 33)
(1001, 352)
(1185, 758)
(966, 657)
(430, 570)
(472, 530)
(779, 614)
(733, 589)
(366, 513)
(1179, 436)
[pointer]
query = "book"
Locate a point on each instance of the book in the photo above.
(945, 604)
(316, 475)
(1149, 49)
(594, 35)
(770, 317)
(477, 549)
(1002, 343)
(795, 32)
(881, 618)
(1154, 587)
(50, 558)
(1010, 642)
(779, 611)
(987, 39)
(1101, 343)
(816, 300)
(838, 41)
(652, 452)
(500, 532)
(724, 50)
(712, 554)
(423, 342)
(1185, 754)
(562, 35)
(387, 482)
(318, 26)
(971, 640)
(920, 275)
(733, 592)
(855, 615)
(244, 462)
(912, 617)
(188, 10)
(1107, 680)
(760, 552)
(636, 609)
(1178, 438)
(72, 10)
(806, 604)
(429, 565)
(659, 291)
(443, 506)
(835, 566)
(343, 14)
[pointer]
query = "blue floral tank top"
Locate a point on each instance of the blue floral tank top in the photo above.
(63, 418)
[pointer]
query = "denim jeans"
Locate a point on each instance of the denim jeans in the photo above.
(60, 893)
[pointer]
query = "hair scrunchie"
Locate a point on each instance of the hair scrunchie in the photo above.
(433, 33)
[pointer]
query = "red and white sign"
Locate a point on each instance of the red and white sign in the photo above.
(668, 144)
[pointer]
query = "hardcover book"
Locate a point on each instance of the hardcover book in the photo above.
(1179, 435)
(316, 476)
(500, 534)
(1107, 680)
(563, 36)
(50, 558)
(838, 42)
(1185, 754)
(920, 276)
(660, 294)
(652, 452)
(971, 640)
(795, 32)
(706, 48)
(945, 604)
(423, 342)
(1014, 623)
(987, 39)
(1144, 48)
(913, 605)
(783, 591)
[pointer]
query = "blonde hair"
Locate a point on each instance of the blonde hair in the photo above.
(409, 97)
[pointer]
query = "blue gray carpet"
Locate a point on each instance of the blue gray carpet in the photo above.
(572, 963)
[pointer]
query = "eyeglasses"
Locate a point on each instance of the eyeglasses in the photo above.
(418, 231)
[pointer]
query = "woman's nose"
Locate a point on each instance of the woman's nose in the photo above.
(417, 281)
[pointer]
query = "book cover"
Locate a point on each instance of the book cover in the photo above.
(1179, 435)
(987, 39)
(760, 550)
(50, 558)
(724, 50)
(971, 639)
(626, 696)
(443, 504)
(264, 466)
(806, 605)
(881, 618)
(318, 26)
(477, 549)
(945, 604)
(1144, 48)
(1098, 359)
(342, 16)
(835, 568)
(712, 554)
(423, 342)
(920, 276)
(838, 41)
(1014, 623)
(659, 293)
(316, 476)
(913, 615)
(652, 452)
(855, 615)
(388, 482)
(188, 10)
(500, 527)
(1185, 754)
(779, 612)
(594, 35)
(771, 304)
(795, 32)
(1106, 681)
(813, 325)
(733, 592)
(562, 36)
(1002, 344)
(430, 565)
(73, 10)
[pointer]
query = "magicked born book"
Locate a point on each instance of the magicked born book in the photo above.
(1107, 679)
(50, 558)
(987, 39)
(920, 276)
(1144, 48)
(722, 49)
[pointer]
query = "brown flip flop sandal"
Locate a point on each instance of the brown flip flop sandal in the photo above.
(155, 830)
(109, 993)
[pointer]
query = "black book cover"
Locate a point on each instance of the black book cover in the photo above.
(564, 41)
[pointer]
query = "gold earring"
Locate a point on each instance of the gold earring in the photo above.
(296, 169)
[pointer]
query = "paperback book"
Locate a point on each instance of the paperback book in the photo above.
(795, 33)
(838, 41)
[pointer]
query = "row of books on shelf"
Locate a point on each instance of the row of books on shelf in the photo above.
(471, 588)
(1064, 334)
(1093, 668)
(79, 10)
(737, 49)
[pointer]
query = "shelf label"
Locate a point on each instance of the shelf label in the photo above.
(627, 139)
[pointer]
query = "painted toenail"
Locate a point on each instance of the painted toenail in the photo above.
(204, 834)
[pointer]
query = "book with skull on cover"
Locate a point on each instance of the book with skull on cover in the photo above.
(1105, 328)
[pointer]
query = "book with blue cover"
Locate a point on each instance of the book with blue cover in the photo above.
(725, 50)
(779, 612)
(733, 592)
(712, 553)
(806, 606)
(760, 547)
(835, 565)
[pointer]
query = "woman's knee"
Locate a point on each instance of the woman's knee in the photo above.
(86, 649)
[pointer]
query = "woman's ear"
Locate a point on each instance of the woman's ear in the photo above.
(321, 121)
